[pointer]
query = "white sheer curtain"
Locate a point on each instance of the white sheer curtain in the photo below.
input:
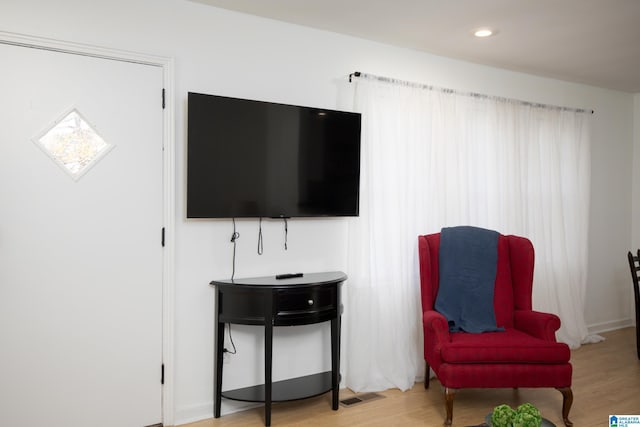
(434, 158)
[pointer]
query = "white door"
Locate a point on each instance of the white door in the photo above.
(80, 255)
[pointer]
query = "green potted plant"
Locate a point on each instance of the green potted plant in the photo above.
(525, 415)
(502, 416)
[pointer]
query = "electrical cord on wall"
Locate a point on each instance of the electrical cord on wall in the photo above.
(260, 247)
(235, 236)
(286, 233)
(233, 345)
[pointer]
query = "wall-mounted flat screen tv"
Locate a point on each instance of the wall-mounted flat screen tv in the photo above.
(251, 158)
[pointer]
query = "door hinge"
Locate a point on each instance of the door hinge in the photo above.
(163, 98)
(162, 239)
(162, 374)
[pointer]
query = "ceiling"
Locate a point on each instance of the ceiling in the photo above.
(596, 42)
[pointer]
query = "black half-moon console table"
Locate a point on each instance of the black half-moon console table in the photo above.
(267, 301)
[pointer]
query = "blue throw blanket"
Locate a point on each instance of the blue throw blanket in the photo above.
(468, 263)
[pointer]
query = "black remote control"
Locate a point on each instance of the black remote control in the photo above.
(288, 275)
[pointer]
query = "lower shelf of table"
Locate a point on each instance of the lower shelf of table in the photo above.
(282, 391)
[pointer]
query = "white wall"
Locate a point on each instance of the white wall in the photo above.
(635, 189)
(635, 197)
(225, 53)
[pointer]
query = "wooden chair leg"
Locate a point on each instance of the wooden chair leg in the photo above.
(449, 393)
(567, 401)
(638, 339)
(426, 375)
(638, 327)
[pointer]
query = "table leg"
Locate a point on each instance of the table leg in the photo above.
(335, 362)
(268, 353)
(218, 376)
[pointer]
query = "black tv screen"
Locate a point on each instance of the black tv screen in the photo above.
(251, 158)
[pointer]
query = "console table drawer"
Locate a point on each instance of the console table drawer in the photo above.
(305, 305)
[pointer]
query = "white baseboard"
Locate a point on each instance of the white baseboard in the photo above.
(611, 325)
(192, 413)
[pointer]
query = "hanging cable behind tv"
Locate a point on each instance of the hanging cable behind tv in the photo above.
(260, 249)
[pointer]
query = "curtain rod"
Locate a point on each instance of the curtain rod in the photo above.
(359, 74)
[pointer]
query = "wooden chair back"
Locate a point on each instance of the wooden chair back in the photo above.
(634, 265)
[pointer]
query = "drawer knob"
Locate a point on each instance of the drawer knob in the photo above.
(310, 302)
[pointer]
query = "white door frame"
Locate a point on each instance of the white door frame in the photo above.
(168, 141)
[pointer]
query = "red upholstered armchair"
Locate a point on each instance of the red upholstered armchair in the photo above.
(525, 354)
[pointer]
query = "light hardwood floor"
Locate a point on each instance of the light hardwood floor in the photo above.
(606, 381)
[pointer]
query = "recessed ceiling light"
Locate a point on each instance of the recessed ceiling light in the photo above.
(483, 32)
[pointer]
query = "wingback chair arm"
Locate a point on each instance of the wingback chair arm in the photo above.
(537, 324)
(437, 323)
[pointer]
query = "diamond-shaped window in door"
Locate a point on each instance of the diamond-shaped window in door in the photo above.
(73, 144)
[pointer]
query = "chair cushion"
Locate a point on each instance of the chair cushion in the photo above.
(510, 346)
